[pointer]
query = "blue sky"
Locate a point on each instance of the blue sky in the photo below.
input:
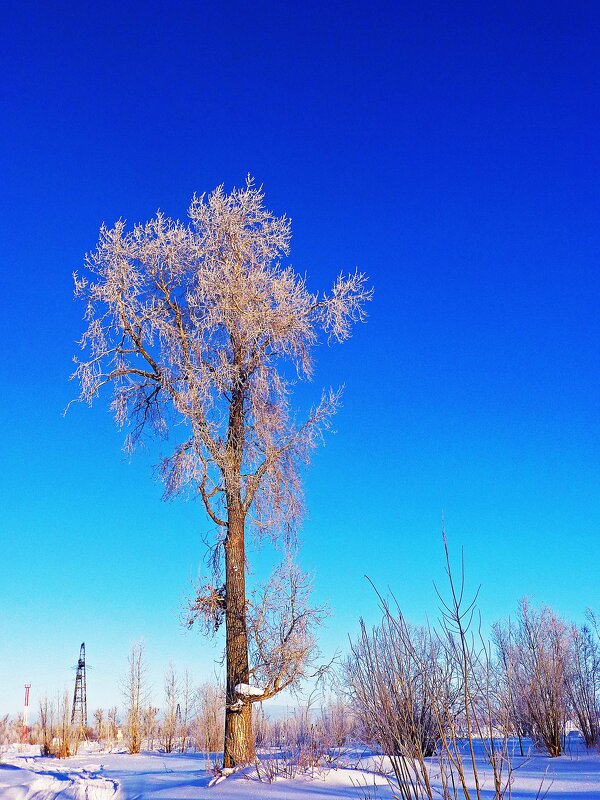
(447, 150)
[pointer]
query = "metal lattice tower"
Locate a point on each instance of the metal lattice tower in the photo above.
(79, 712)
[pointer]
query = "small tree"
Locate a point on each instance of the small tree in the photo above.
(518, 718)
(200, 324)
(47, 721)
(584, 683)
(68, 738)
(150, 725)
(210, 705)
(5, 730)
(113, 723)
(385, 676)
(99, 724)
(169, 726)
(338, 722)
(537, 650)
(187, 708)
(135, 691)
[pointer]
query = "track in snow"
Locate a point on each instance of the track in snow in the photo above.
(29, 783)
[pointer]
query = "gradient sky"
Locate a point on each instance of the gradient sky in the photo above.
(450, 151)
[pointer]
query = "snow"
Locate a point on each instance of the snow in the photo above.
(245, 690)
(29, 778)
(119, 776)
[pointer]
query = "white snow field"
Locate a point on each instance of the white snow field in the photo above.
(119, 776)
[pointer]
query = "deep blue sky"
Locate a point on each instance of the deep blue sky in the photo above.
(448, 150)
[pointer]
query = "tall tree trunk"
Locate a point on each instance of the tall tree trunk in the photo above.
(239, 742)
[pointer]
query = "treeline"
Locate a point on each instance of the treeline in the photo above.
(191, 717)
(195, 725)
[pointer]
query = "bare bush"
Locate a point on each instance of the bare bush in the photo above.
(537, 652)
(5, 730)
(298, 745)
(583, 681)
(477, 712)
(260, 726)
(429, 697)
(339, 723)
(386, 676)
(519, 720)
(67, 736)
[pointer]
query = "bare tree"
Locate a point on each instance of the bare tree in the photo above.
(210, 705)
(338, 722)
(538, 653)
(594, 622)
(113, 724)
(68, 738)
(135, 691)
(260, 725)
(5, 730)
(583, 682)
(194, 324)
(187, 708)
(99, 724)
(47, 722)
(519, 720)
(169, 726)
(150, 725)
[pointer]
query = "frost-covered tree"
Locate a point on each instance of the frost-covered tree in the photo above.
(583, 680)
(47, 715)
(187, 708)
(536, 650)
(169, 726)
(99, 724)
(135, 691)
(150, 725)
(208, 723)
(113, 723)
(201, 330)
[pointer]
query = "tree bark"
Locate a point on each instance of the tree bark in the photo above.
(239, 742)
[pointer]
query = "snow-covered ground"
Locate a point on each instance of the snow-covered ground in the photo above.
(119, 776)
